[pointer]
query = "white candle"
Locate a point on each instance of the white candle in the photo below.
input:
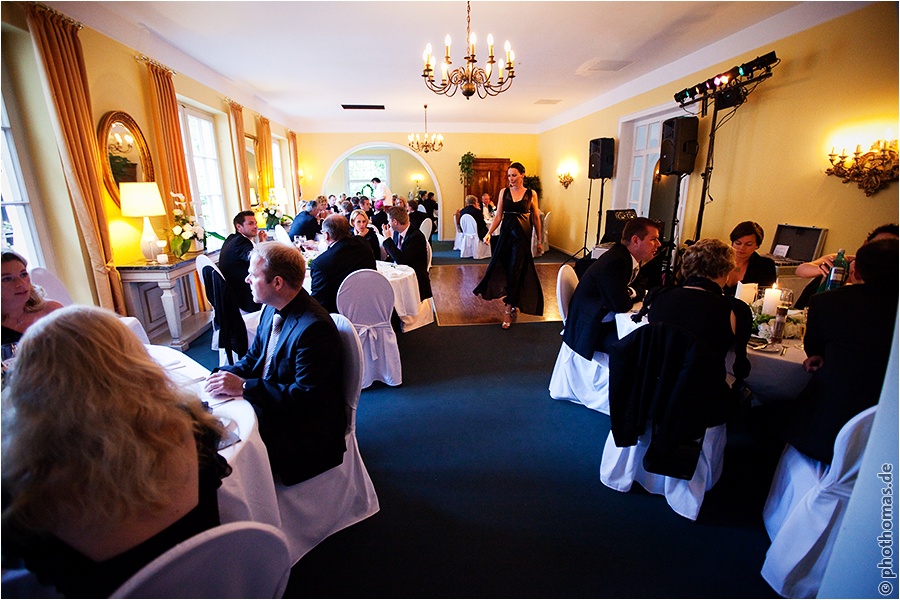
(162, 259)
(771, 300)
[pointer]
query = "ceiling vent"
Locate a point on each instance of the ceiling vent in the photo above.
(549, 101)
(597, 65)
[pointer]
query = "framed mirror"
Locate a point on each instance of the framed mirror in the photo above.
(125, 152)
(250, 146)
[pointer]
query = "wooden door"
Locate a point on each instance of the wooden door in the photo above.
(490, 177)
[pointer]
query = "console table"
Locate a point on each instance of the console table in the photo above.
(165, 299)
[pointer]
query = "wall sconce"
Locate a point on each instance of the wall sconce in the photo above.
(299, 174)
(566, 179)
(871, 170)
(417, 179)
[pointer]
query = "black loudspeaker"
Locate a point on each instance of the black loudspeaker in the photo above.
(615, 224)
(603, 156)
(678, 150)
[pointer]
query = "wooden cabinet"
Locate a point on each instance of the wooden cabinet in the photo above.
(490, 177)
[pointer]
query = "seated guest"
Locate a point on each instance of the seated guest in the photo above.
(360, 222)
(307, 223)
(23, 303)
(488, 208)
(849, 334)
(365, 205)
(820, 268)
(234, 258)
(407, 246)
(431, 206)
(746, 238)
(346, 209)
(292, 374)
(380, 218)
(124, 467)
(610, 285)
(471, 208)
(346, 253)
(331, 204)
(416, 217)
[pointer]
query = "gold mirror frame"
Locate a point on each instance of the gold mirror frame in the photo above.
(104, 132)
(251, 147)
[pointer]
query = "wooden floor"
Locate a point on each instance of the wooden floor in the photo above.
(455, 304)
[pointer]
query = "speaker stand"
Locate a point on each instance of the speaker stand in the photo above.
(600, 210)
(584, 249)
(668, 271)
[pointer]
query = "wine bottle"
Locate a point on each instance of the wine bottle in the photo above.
(838, 273)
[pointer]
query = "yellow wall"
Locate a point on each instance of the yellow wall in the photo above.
(836, 86)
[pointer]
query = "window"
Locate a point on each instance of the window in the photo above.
(203, 169)
(19, 232)
(277, 167)
(361, 169)
(644, 157)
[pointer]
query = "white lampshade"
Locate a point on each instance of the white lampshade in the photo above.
(142, 199)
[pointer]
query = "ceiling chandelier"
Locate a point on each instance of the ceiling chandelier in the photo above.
(470, 78)
(425, 144)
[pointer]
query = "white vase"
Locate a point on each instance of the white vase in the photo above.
(196, 245)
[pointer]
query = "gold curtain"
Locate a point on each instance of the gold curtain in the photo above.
(264, 158)
(295, 168)
(55, 39)
(173, 165)
(239, 148)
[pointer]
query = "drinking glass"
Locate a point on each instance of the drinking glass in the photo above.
(787, 297)
(802, 328)
(8, 356)
(298, 240)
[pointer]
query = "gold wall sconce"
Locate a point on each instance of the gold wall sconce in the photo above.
(871, 170)
(565, 179)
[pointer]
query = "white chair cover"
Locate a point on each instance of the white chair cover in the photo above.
(367, 299)
(136, 328)
(545, 231)
(426, 226)
(53, 287)
(621, 467)
(582, 381)
(251, 320)
(429, 252)
(314, 509)
(805, 508)
(566, 280)
(545, 223)
(422, 318)
(471, 245)
(237, 560)
(281, 235)
(457, 240)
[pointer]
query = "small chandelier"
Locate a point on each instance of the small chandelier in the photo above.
(471, 78)
(433, 144)
(118, 144)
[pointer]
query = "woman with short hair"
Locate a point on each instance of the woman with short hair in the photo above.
(746, 238)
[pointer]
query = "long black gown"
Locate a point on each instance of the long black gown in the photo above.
(511, 273)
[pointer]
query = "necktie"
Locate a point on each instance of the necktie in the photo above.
(277, 322)
(634, 274)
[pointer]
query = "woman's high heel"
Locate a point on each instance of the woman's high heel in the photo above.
(509, 317)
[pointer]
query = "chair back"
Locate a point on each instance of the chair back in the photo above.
(53, 287)
(849, 446)
(281, 235)
(352, 351)
(237, 560)
(366, 297)
(429, 252)
(203, 260)
(545, 231)
(457, 233)
(227, 319)
(426, 227)
(566, 280)
(468, 225)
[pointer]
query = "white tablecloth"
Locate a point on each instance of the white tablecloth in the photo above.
(248, 494)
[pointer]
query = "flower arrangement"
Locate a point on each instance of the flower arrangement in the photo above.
(272, 215)
(186, 229)
(764, 325)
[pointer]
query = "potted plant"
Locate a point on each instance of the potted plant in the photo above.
(466, 168)
(533, 182)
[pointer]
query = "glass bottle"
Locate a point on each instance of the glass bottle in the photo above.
(838, 273)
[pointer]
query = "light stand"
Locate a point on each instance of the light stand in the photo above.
(668, 272)
(587, 218)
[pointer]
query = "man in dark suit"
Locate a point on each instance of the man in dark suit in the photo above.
(307, 222)
(346, 253)
(611, 285)
(416, 217)
(849, 334)
(292, 374)
(471, 208)
(407, 246)
(234, 258)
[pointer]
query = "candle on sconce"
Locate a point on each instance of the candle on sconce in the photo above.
(771, 299)
(162, 259)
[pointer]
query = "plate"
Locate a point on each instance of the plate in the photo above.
(768, 348)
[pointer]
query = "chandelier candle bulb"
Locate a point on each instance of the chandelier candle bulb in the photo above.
(447, 44)
(490, 41)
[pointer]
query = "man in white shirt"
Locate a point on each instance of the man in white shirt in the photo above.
(382, 192)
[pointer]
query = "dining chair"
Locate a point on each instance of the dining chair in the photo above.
(471, 244)
(53, 287)
(457, 233)
(344, 495)
(233, 331)
(566, 280)
(426, 227)
(366, 298)
(429, 252)
(545, 223)
(282, 236)
(805, 508)
(238, 560)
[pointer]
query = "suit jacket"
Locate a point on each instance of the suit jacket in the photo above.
(417, 218)
(379, 220)
(234, 262)
(851, 328)
(602, 289)
(300, 404)
(478, 215)
(330, 268)
(306, 225)
(414, 254)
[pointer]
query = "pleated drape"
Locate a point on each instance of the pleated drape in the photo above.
(55, 39)
(239, 148)
(264, 158)
(173, 166)
(295, 168)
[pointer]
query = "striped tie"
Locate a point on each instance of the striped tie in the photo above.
(277, 322)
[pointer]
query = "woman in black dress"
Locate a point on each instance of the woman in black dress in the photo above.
(511, 274)
(359, 220)
(746, 238)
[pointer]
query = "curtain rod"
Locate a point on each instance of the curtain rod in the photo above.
(56, 13)
(143, 58)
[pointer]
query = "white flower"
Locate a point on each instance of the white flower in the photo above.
(200, 232)
(278, 214)
(186, 235)
(188, 228)
(177, 212)
(177, 230)
(765, 331)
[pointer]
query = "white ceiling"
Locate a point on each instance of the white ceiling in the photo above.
(297, 62)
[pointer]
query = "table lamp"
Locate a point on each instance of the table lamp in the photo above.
(142, 199)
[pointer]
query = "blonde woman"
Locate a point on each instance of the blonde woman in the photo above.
(107, 463)
(22, 302)
(360, 222)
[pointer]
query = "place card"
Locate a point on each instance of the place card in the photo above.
(747, 292)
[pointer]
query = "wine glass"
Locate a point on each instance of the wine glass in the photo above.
(787, 297)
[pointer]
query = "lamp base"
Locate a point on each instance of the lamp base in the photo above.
(148, 241)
